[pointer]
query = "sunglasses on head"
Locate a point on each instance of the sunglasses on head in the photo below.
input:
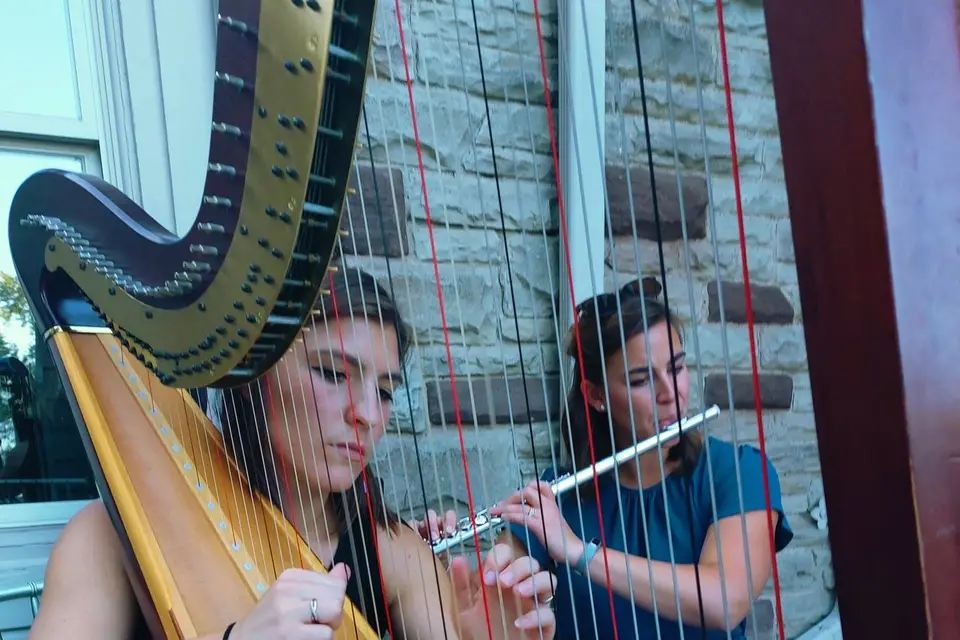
(606, 303)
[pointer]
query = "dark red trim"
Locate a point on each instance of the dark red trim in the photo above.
(868, 97)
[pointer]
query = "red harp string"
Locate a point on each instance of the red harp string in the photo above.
(754, 369)
(443, 318)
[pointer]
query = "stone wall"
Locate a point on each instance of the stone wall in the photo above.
(489, 196)
(712, 247)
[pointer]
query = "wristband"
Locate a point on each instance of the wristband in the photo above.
(588, 552)
(226, 634)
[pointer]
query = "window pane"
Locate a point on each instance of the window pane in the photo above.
(41, 454)
(38, 76)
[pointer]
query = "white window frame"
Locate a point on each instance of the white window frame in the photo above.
(85, 137)
(126, 54)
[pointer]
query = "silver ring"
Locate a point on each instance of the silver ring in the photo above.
(313, 612)
(533, 512)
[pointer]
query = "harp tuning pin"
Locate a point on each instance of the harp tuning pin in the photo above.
(344, 233)
(333, 269)
(222, 168)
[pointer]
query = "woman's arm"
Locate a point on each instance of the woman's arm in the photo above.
(86, 590)
(418, 589)
(735, 581)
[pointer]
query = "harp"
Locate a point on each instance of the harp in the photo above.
(812, 217)
(214, 308)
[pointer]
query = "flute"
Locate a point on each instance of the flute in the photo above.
(466, 527)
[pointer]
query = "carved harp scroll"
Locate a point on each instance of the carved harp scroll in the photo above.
(868, 95)
(135, 315)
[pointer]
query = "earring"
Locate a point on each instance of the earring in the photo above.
(603, 407)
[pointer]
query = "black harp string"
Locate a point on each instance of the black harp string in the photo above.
(378, 205)
(559, 332)
(506, 251)
(666, 300)
(724, 597)
(393, 77)
(623, 352)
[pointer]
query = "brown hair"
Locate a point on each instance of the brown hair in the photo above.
(618, 324)
(357, 294)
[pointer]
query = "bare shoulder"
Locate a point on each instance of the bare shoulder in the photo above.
(86, 591)
(405, 559)
(416, 584)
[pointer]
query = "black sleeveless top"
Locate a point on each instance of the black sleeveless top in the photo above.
(357, 549)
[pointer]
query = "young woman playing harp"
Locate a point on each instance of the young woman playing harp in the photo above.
(309, 460)
(687, 541)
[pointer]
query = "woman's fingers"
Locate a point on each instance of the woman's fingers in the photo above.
(541, 584)
(500, 566)
(541, 619)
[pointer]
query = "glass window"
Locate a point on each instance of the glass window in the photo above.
(39, 74)
(42, 458)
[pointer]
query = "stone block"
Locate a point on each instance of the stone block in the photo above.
(409, 399)
(765, 197)
(447, 54)
(711, 352)
(776, 390)
(445, 125)
(494, 400)
(454, 247)
(770, 306)
(756, 230)
(785, 249)
(671, 216)
(473, 201)
(752, 113)
(765, 618)
(531, 285)
(804, 607)
(677, 288)
(685, 144)
(664, 45)
(376, 215)
(706, 258)
(502, 162)
(628, 253)
(783, 348)
(471, 299)
(749, 65)
(479, 359)
(432, 473)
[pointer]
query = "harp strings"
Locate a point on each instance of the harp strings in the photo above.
(666, 297)
(510, 270)
(731, 128)
(404, 363)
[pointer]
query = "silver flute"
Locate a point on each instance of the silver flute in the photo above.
(467, 527)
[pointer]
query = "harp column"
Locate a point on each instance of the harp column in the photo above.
(581, 117)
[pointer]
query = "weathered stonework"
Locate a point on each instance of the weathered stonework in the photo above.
(482, 207)
(770, 305)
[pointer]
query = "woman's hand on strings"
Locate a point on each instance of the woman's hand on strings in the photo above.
(535, 507)
(299, 605)
(527, 592)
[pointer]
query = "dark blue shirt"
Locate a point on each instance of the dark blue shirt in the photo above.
(578, 602)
